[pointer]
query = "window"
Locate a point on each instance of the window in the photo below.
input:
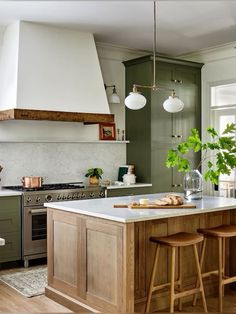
(223, 111)
(223, 95)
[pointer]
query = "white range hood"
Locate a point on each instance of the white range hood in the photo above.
(50, 68)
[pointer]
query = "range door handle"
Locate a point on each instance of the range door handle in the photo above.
(38, 211)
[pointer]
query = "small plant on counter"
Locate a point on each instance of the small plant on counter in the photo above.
(94, 175)
(219, 153)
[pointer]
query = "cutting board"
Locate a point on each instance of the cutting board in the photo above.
(153, 206)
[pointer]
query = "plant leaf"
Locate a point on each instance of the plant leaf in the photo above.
(230, 128)
(212, 132)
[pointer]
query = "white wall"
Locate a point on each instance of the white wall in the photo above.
(113, 70)
(52, 150)
(219, 66)
(9, 66)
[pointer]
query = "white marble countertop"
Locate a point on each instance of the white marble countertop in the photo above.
(136, 185)
(6, 192)
(103, 208)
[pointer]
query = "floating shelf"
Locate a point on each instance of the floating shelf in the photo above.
(46, 115)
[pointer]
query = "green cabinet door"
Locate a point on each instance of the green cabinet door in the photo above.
(10, 228)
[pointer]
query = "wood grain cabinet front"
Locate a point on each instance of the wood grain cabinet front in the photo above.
(10, 228)
(86, 260)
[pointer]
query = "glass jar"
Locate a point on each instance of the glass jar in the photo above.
(193, 185)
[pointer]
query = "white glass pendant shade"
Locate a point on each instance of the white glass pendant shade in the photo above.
(135, 101)
(114, 98)
(173, 104)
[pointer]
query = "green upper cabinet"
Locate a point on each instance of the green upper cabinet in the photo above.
(152, 130)
(10, 228)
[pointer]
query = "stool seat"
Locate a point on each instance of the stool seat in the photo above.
(223, 231)
(179, 239)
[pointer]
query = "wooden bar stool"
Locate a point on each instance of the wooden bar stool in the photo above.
(219, 233)
(174, 241)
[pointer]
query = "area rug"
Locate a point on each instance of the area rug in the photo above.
(28, 282)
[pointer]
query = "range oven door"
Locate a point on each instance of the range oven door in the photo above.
(34, 231)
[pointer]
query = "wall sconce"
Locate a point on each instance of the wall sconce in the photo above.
(114, 97)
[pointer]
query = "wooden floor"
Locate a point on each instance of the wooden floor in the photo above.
(12, 301)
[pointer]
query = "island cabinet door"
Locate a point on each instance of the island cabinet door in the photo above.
(64, 246)
(103, 258)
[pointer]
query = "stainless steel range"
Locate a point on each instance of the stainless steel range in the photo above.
(34, 214)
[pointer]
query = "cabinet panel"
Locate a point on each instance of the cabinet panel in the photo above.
(63, 253)
(11, 251)
(162, 130)
(129, 191)
(9, 219)
(10, 228)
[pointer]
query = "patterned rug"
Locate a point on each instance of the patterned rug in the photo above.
(28, 282)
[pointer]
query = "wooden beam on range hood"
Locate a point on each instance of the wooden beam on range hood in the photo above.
(26, 114)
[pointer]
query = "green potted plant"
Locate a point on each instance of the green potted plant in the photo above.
(94, 175)
(218, 154)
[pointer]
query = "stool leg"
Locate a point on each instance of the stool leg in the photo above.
(201, 264)
(200, 277)
(223, 265)
(152, 278)
(220, 240)
(172, 280)
(180, 276)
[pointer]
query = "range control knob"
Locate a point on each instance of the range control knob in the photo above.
(82, 195)
(74, 196)
(92, 194)
(69, 197)
(48, 198)
(101, 194)
(37, 199)
(58, 197)
(64, 197)
(28, 200)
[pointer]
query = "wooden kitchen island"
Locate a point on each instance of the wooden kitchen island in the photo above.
(100, 258)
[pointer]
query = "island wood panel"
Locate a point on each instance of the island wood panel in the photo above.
(233, 250)
(103, 254)
(140, 260)
(64, 249)
(93, 262)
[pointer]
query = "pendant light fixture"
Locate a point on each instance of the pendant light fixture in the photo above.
(136, 100)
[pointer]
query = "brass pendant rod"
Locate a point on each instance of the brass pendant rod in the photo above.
(154, 43)
(154, 87)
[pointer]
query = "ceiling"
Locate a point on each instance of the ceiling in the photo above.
(182, 26)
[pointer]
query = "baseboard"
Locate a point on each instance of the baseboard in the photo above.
(67, 301)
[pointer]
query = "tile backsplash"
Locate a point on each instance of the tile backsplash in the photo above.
(58, 162)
